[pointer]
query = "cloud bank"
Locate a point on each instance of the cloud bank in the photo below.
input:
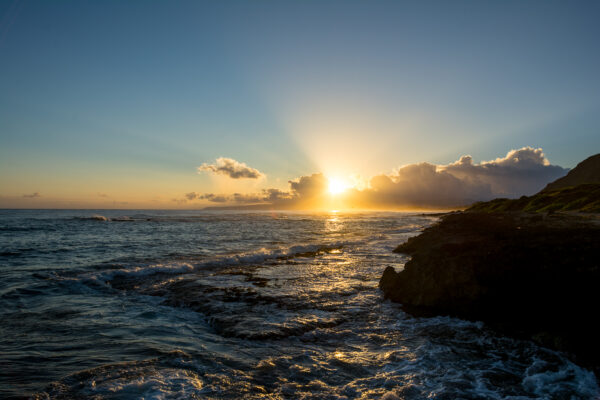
(267, 196)
(32, 195)
(521, 172)
(232, 168)
(422, 185)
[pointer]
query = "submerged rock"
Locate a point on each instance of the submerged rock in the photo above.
(530, 275)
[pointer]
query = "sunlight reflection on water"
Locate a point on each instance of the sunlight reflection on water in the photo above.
(240, 305)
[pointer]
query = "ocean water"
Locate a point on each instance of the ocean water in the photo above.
(218, 305)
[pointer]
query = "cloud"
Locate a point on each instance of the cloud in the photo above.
(232, 168)
(309, 186)
(521, 172)
(215, 198)
(276, 195)
(424, 185)
(304, 191)
(266, 196)
(421, 185)
(32, 195)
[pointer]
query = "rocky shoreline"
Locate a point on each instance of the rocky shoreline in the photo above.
(534, 276)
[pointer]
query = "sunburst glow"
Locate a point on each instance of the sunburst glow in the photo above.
(336, 186)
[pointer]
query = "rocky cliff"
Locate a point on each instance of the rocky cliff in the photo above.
(530, 275)
(529, 267)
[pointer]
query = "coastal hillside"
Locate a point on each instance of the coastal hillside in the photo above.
(578, 191)
(587, 171)
(580, 198)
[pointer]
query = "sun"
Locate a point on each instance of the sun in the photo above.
(336, 186)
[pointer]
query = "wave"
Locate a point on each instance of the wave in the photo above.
(141, 271)
(9, 253)
(115, 277)
(18, 252)
(102, 218)
(171, 376)
(25, 229)
(297, 251)
(311, 374)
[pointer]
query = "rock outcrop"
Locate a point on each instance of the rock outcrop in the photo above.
(530, 275)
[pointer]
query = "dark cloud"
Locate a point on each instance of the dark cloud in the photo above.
(420, 185)
(32, 195)
(214, 198)
(232, 168)
(266, 196)
(521, 172)
(276, 195)
(307, 187)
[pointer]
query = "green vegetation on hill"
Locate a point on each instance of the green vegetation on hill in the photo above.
(580, 198)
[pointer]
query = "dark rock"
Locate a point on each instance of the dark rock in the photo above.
(529, 275)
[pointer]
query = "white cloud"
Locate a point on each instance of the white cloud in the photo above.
(232, 168)
(521, 172)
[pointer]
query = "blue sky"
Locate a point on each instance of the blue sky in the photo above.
(123, 96)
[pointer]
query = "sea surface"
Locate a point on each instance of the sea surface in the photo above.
(218, 305)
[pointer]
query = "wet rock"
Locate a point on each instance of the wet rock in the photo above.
(530, 275)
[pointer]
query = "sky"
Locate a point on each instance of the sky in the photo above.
(187, 104)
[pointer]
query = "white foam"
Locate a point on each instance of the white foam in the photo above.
(544, 382)
(257, 257)
(262, 255)
(165, 383)
(133, 272)
(98, 217)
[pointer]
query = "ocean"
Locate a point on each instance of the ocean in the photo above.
(107, 304)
